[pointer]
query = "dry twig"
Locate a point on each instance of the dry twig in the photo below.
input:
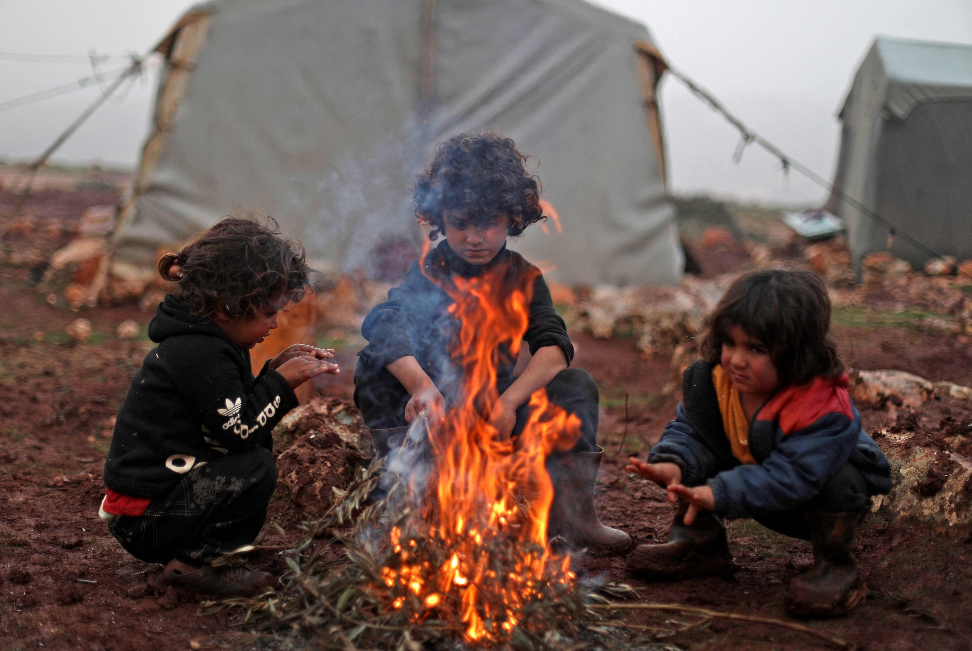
(709, 614)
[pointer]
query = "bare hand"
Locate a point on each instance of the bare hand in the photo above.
(502, 418)
(298, 350)
(301, 368)
(427, 399)
(700, 498)
(664, 474)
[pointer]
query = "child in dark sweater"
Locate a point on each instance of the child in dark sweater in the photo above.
(477, 193)
(190, 471)
(766, 430)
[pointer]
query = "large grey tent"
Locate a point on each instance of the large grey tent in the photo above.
(906, 150)
(320, 112)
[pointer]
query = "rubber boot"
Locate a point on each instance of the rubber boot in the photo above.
(698, 549)
(572, 513)
(833, 585)
(384, 441)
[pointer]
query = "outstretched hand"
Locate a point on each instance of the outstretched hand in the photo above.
(301, 368)
(664, 474)
(503, 419)
(301, 350)
(700, 498)
(427, 399)
(669, 475)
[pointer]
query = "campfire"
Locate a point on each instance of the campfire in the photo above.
(486, 560)
(458, 549)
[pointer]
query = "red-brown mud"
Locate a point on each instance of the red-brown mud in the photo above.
(66, 584)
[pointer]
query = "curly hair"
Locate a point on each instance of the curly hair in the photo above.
(789, 312)
(481, 175)
(237, 267)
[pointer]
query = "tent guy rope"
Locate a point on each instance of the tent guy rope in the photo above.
(748, 136)
(133, 70)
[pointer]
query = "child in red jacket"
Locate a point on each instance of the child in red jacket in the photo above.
(766, 430)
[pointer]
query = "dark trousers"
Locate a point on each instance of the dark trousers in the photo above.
(214, 509)
(382, 402)
(846, 491)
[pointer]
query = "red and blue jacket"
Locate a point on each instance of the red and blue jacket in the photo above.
(798, 439)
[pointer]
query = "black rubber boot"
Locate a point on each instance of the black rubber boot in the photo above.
(572, 513)
(384, 441)
(833, 585)
(698, 549)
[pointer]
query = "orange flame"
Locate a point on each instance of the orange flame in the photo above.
(551, 212)
(482, 482)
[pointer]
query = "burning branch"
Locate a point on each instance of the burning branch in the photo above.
(373, 596)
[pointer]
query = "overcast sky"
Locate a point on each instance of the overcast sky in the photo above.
(783, 66)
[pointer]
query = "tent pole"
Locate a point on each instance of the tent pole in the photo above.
(34, 167)
(181, 47)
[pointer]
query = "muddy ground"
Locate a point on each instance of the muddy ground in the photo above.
(66, 584)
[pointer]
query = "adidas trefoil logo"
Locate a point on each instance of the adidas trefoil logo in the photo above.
(232, 408)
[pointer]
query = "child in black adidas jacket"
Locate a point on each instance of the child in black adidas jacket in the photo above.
(190, 472)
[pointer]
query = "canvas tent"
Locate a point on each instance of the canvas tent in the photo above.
(906, 150)
(320, 112)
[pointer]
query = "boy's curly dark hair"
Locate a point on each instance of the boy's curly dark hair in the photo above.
(481, 175)
(789, 312)
(236, 267)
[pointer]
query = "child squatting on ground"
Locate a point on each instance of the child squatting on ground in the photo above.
(766, 430)
(190, 472)
(477, 192)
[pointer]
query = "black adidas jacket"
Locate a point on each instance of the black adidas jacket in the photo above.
(194, 400)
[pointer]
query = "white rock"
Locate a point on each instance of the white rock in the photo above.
(79, 330)
(949, 507)
(79, 250)
(127, 329)
(877, 388)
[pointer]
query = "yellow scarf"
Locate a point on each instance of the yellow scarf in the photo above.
(734, 419)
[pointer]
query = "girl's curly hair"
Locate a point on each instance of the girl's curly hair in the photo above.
(789, 312)
(482, 176)
(236, 267)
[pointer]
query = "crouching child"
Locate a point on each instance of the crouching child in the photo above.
(477, 193)
(766, 430)
(190, 470)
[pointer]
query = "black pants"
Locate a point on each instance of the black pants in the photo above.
(214, 509)
(382, 403)
(845, 491)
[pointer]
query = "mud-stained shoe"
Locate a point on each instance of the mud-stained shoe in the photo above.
(699, 549)
(222, 582)
(833, 585)
(572, 513)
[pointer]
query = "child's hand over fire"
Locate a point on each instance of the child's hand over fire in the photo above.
(502, 418)
(425, 396)
(301, 368)
(664, 474)
(427, 399)
(700, 498)
(298, 350)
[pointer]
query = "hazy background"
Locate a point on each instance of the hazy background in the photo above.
(783, 67)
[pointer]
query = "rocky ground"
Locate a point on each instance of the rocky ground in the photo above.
(65, 583)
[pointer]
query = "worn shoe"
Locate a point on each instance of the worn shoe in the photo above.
(222, 582)
(572, 513)
(833, 585)
(699, 549)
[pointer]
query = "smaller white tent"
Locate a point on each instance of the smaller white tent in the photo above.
(320, 113)
(906, 150)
